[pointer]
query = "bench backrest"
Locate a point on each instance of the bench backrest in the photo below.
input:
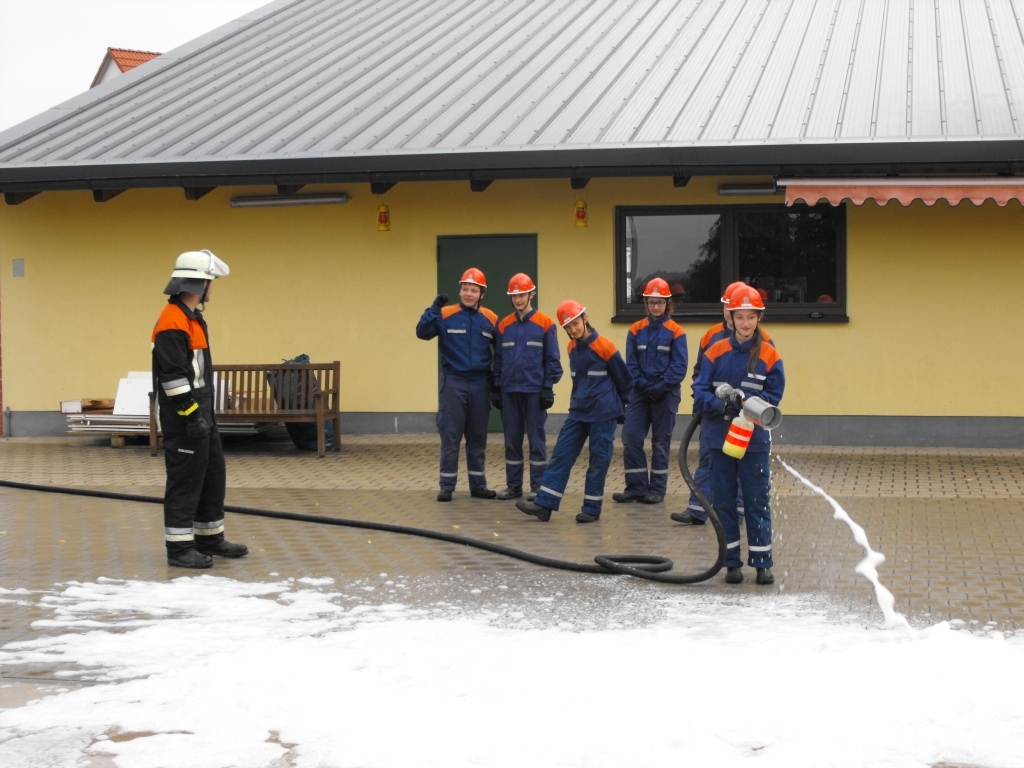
(264, 389)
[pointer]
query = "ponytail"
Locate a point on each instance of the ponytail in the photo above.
(755, 350)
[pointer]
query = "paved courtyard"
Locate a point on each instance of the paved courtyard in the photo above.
(948, 521)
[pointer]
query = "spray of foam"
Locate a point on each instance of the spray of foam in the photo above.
(868, 567)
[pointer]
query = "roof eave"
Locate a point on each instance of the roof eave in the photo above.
(991, 156)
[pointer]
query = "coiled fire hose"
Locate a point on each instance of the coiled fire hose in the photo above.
(650, 567)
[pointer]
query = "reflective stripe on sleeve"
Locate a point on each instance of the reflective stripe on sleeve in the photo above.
(169, 386)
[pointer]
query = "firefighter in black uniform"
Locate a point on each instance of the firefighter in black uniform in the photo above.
(183, 381)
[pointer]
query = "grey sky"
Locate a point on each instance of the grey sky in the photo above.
(50, 49)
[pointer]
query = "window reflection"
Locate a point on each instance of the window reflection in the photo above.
(684, 249)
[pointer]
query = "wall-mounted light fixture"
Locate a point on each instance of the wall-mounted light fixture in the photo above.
(274, 201)
(383, 219)
(580, 218)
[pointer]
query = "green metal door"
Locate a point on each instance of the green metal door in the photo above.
(500, 257)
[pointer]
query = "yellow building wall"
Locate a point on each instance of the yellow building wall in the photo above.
(932, 292)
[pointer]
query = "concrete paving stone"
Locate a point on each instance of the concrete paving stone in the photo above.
(949, 522)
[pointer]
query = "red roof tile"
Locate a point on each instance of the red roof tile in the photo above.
(124, 59)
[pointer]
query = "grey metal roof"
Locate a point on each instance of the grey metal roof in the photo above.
(450, 88)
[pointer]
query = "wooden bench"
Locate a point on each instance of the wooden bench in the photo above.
(304, 393)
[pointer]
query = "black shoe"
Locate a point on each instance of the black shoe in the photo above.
(223, 548)
(541, 513)
(733, 576)
(482, 493)
(532, 494)
(687, 519)
(627, 498)
(444, 496)
(586, 517)
(653, 498)
(512, 492)
(189, 558)
(764, 576)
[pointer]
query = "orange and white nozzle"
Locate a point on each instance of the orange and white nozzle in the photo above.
(755, 412)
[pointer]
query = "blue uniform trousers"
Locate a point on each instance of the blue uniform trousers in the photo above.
(702, 477)
(464, 409)
(660, 418)
(521, 412)
(754, 474)
(567, 449)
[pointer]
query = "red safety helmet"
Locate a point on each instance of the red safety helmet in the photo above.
(657, 288)
(746, 297)
(568, 311)
(474, 276)
(678, 289)
(520, 283)
(729, 291)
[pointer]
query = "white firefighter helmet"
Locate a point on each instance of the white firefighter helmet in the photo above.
(200, 265)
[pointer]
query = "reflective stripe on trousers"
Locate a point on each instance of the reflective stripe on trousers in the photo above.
(754, 471)
(567, 449)
(660, 419)
(464, 409)
(521, 413)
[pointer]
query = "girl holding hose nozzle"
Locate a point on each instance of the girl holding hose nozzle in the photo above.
(734, 368)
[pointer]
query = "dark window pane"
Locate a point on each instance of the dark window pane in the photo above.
(790, 254)
(685, 249)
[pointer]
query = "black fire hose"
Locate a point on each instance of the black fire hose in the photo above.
(649, 567)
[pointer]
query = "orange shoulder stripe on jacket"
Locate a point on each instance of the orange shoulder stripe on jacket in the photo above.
(770, 355)
(173, 319)
(718, 349)
(604, 347)
(542, 320)
(639, 325)
(506, 322)
(676, 328)
(489, 315)
(764, 334)
(571, 346)
(450, 310)
(706, 338)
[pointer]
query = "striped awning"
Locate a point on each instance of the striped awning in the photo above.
(906, 190)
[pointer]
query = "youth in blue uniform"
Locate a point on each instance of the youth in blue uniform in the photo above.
(601, 385)
(745, 365)
(465, 334)
(526, 368)
(694, 513)
(656, 356)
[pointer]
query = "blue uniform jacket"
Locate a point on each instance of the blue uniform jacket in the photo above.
(656, 354)
(726, 362)
(526, 356)
(601, 382)
(716, 333)
(465, 337)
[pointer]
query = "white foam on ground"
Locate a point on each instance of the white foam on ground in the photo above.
(209, 672)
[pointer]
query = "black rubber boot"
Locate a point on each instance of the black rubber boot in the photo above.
(482, 493)
(221, 548)
(512, 492)
(764, 576)
(627, 498)
(653, 498)
(189, 558)
(686, 518)
(444, 496)
(586, 517)
(733, 576)
(541, 513)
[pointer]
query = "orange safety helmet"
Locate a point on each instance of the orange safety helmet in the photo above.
(657, 288)
(474, 276)
(520, 283)
(729, 291)
(745, 297)
(568, 311)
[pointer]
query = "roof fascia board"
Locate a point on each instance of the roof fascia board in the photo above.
(832, 158)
